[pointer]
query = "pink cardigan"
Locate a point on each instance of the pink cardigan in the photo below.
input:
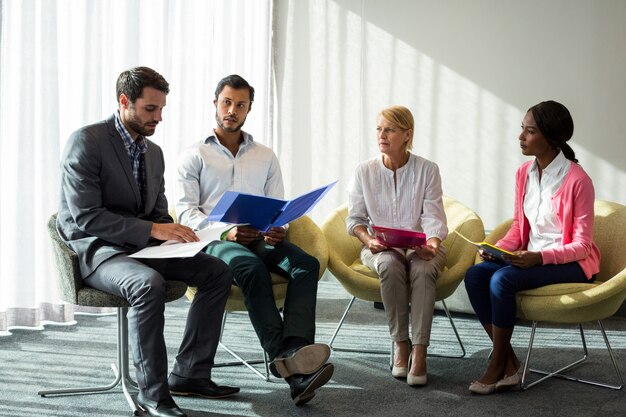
(573, 207)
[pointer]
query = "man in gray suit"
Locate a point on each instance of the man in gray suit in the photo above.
(113, 204)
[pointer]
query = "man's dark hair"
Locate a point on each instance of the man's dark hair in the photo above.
(132, 82)
(234, 81)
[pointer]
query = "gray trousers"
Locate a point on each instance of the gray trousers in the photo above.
(142, 283)
(407, 286)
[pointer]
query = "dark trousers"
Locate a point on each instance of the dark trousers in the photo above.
(142, 283)
(251, 266)
(491, 287)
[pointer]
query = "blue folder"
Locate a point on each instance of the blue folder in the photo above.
(263, 213)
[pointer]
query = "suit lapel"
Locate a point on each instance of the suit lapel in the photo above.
(150, 187)
(122, 155)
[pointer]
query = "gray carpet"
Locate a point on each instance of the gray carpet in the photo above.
(361, 386)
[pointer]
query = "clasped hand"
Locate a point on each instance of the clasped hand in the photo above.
(426, 252)
(245, 235)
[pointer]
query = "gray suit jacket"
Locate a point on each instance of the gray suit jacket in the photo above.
(99, 212)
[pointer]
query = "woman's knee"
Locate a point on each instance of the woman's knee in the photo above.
(501, 285)
(389, 266)
(474, 277)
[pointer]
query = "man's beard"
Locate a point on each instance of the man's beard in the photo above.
(137, 127)
(220, 123)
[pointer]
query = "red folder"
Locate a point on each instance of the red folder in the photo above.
(399, 238)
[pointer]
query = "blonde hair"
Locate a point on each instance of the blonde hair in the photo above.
(402, 118)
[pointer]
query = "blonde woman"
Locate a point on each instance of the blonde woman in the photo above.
(402, 190)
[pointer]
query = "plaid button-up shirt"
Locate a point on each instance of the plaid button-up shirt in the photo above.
(135, 150)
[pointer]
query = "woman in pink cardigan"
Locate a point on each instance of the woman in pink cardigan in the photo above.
(551, 238)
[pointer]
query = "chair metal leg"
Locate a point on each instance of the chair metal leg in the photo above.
(456, 333)
(239, 360)
(391, 351)
(559, 373)
(120, 368)
(332, 339)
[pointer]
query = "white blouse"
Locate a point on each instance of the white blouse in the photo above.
(414, 203)
(545, 230)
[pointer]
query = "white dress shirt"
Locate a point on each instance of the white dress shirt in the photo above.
(207, 169)
(545, 230)
(414, 203)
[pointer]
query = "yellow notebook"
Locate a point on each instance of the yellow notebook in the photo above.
(494, 251)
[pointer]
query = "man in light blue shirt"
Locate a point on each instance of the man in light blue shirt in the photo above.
(230, 160)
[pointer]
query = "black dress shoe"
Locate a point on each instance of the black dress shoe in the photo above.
(301, 360)
(201, 387)
(163, 408)
(303, 386)
(274, 371)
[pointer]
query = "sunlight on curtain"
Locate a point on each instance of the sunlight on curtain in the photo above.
(59, 61)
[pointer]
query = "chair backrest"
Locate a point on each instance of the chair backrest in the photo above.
(610, 236)
(307, 235)
(459, 254)
(465, 221)
(65, 264)
(347, 248)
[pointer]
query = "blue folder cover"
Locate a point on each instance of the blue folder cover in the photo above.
(262, 213)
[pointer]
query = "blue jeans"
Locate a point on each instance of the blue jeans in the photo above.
(491, 287)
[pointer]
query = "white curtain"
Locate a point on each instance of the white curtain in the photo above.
(59, 60)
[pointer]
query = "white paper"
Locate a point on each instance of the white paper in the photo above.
(174, 249)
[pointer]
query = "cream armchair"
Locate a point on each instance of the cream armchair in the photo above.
(363, 283)
(580, 303)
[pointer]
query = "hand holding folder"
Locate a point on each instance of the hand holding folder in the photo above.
(492, 250)
(399, 238)
(263, 213)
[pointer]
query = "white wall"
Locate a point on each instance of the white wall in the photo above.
(467, 70)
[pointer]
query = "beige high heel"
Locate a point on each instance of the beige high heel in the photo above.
(400, 371)
(415, 379)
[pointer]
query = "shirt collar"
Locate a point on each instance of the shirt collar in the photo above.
(247, 139)
(559, 163)
(140, 143)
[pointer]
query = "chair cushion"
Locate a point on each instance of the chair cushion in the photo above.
(558, 289)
